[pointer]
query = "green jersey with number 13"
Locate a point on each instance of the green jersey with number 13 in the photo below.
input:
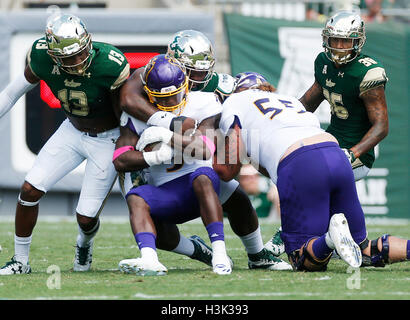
(86, 96)
(342, 88)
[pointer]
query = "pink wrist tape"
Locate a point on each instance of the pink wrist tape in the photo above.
(121, 150)
(209, 143)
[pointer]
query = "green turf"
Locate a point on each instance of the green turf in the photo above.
(53, 248)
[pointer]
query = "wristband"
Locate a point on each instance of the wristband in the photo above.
(209, 143)
(121, 150)
(150, 158)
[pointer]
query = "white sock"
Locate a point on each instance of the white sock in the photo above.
(253, 241)
(218, 248)
(185, 246)
(148, 253)
(84, 238)
(22, 248)
(329, 241)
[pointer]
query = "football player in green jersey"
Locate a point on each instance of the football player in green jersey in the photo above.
(85, 76)
(193, 50)
(353, 84)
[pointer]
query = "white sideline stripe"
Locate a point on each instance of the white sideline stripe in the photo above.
(378, 172)
(217, 295)
(78, 298)
(375, 210)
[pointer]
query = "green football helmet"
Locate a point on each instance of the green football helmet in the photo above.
(345, 25)
(195, 52)
(69, 43)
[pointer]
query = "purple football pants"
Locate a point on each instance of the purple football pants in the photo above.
(175, 201)
(315, 182)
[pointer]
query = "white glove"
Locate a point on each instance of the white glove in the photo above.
(154, 134)
(162, 155)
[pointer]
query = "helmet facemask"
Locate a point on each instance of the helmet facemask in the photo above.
(166, 84)
(170, 99)
(344, 25)
(69, 44)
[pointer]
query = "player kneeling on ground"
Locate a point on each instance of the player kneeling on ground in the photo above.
(320, 209)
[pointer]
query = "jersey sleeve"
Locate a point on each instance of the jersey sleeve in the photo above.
(228, 117)
(116, 66)
(317, 66)
(226, 85)
(373, 78)
(213, 106)
(37, 58)
(131, 123)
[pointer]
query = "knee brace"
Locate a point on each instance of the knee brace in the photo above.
(27, 203)
(297, 260)
(377, 258)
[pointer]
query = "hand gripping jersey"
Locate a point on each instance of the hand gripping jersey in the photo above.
(85, 96)
(200, 105)
(270, 124)
(342, 88)
(221, 83)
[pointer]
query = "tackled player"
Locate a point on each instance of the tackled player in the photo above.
(195, 52)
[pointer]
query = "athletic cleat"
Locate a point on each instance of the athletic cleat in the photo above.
(343, 242)
(141, 267)
(15, 267)
(83, 258)
(202, 252)
(266, 260)
(275, 245)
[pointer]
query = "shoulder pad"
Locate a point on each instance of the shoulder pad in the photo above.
(226, 83)
(373, 78)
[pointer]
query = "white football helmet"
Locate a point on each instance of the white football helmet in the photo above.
(345, 25)
(66, 37)
(195, 52)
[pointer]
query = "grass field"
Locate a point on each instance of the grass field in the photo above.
(52, 253)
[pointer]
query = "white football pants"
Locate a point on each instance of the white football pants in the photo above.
(66, 149)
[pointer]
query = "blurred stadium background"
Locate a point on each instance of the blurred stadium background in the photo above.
(278, 38)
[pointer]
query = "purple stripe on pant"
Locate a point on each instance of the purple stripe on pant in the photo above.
(315, 182)
(175, 201)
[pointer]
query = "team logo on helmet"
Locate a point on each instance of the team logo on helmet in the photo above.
(195, 52)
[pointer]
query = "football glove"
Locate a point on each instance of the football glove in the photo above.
(162, 155)
(154, 134)
(350, 155)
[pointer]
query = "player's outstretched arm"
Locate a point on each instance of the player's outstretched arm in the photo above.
(313, 97)
(375, 104)
(17, 88)
(133, 100)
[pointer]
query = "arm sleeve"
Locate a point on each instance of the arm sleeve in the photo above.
(9, 96)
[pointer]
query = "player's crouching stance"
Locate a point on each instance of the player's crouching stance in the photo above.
(320, 209)
(180, 190)
(68, 56)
